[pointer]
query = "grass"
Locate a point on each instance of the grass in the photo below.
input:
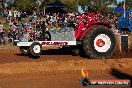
(2, 19)
(7, 46)
(6, 26)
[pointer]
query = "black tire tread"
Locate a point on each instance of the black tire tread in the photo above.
(88, 37)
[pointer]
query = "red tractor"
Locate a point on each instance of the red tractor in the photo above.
(92, 34)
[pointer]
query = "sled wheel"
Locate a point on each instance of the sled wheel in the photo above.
(99, 42)
(35, 49)
(24, 50)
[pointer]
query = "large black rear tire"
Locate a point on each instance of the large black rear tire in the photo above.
(99, 42)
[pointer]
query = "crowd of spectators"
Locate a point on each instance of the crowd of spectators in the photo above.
(57, 21)
(19, 28)
(36, 25)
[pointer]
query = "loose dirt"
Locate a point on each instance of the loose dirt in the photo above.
(58, 69)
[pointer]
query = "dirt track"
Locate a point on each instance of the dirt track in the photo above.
(58, 69)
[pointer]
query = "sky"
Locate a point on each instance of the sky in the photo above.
(120, 0)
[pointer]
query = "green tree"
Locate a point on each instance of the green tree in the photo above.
(100, 5)
(24, 4)
(120, 4)
(72, 5)
(84, 3)
(129, 3)
(44, 2)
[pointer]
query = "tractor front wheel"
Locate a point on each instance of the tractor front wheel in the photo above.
(99, 42)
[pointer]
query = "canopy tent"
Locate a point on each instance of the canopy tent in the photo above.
(54, 10)
(56, 7)
(56, 4)
(118, 9)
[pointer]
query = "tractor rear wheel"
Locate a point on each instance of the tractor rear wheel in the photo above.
(99, 42)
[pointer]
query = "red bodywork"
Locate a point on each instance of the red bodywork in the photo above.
(86, 21)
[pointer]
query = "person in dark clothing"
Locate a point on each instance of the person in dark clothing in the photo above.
(45, 34)
(10, 37)
(1, 33)
(14, 35)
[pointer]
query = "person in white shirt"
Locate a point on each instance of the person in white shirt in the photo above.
(10, 13)
(15, 13)
(1, 33)
(1, 28)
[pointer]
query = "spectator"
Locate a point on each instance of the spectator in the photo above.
(10, 14)
(5, 13)
(19, 16)
(1, 28)
(1, 33)
(15, 13)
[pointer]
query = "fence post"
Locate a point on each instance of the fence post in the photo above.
(124, 43)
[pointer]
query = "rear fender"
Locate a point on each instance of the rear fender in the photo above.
(89, 28)
(78, 31)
